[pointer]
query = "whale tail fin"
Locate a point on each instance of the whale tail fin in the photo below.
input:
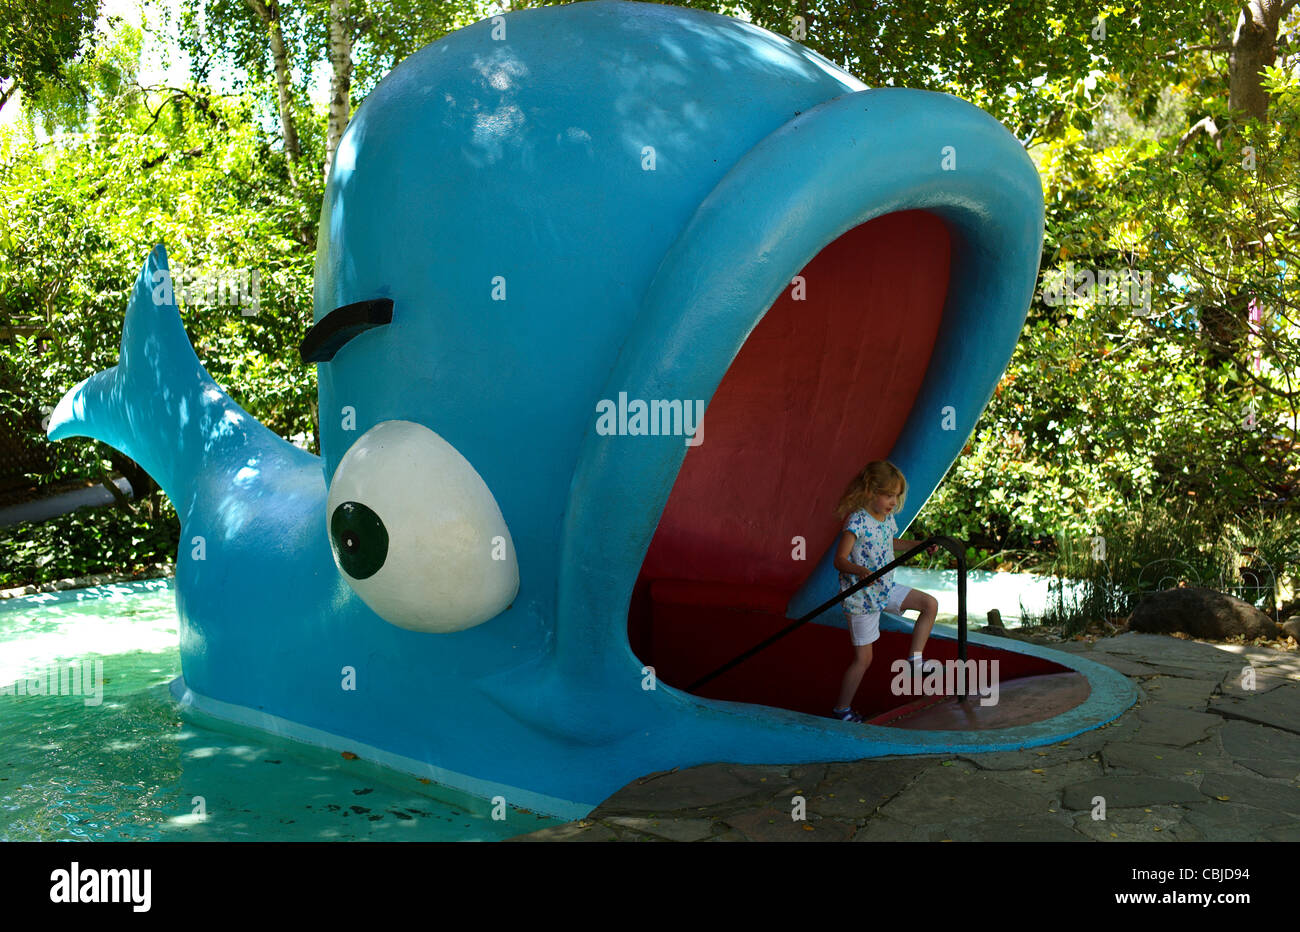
(158, 405)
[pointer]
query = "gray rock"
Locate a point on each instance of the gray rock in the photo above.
(1155, 649)
(1253, 791)
(1164, 724)
(572, 831)
(875, 778)
(769, 824)
(1180, 691)
(1202, 613)
(1218, 821)
(1074, 647)
(1279, 708)
(1149, 823)
(1264, 750)
(1160, 760)
(729, 835)
(1028, 829)
(1267, 658)
(1049, 781)
(883, 828)
(696, 787)
(855, 791)
(1276, 769)
(1291, 627)
(1265, 680)
(944, 795)
(1078, 747)
(1124, 792)
(1122, 664)
(1289, 832)
(671, 829)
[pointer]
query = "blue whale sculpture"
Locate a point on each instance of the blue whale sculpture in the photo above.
(549, 241)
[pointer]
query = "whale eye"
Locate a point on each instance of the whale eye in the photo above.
(360, 539)
(416, 532)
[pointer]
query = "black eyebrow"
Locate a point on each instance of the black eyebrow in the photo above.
(333, 331)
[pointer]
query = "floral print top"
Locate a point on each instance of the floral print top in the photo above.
(873, 548)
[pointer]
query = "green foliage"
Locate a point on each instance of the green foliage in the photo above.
(1161, 543)
(89, 541)
(100, 73)
(1104, 402)
(382, 34)
(168, 165)
(40, 40)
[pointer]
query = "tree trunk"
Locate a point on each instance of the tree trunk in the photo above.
(269, 12)
(340, 51)
(315, 425)
(1254, 47)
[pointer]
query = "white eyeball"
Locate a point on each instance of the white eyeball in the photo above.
(417, 533)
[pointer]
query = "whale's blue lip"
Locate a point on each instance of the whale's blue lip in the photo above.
(739, 250)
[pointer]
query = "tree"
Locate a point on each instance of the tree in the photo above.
(359, 40)
(38, 40)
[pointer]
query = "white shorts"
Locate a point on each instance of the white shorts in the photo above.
(865, 629)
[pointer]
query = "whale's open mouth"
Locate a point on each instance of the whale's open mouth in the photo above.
(823, 384)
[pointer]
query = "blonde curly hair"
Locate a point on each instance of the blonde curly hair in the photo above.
(877, 476)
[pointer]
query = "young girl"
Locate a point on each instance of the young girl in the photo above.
(867, 544)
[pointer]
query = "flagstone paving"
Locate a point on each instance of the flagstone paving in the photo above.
(1201, 757)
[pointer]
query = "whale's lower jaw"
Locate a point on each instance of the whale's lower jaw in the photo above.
(307, 659)
(540, 739)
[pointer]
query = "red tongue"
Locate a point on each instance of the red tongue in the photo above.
(821, 387)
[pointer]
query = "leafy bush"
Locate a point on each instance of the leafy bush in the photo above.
(1163, 543)
(89, 541)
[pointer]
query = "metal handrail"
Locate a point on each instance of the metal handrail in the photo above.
(955, 547)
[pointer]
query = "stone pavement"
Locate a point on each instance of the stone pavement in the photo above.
(1199, 758)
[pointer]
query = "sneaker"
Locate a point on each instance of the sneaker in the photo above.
(926, 665)
(846, 715)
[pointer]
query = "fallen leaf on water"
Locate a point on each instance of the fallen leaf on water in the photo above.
(1223, 799)
(425, 780)
(807, 828)
(1037, 770)
(348, 755)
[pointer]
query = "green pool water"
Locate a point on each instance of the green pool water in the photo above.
(129, 767)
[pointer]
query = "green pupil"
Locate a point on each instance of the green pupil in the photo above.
(360, 539)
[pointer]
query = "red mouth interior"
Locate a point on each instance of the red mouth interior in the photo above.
(822, 386)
